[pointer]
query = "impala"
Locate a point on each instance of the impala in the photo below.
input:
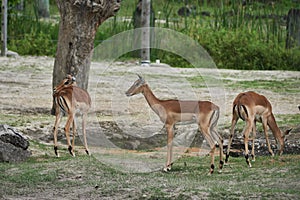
(70, 100)
(252, 107)
(67, 81)
(170, 112)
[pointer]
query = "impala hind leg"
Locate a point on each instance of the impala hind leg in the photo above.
(233, 124)
(212, 144)
(217, 137)
(247, 130)
(70, 120)
(212, 161)
(220, 142)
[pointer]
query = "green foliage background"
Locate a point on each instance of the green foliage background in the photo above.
(237, 36)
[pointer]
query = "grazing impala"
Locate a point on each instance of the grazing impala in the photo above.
(70, 99)
(172, 111)
(252, 107)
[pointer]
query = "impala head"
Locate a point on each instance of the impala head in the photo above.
(137, 87)
(281, 142)
(68, 80)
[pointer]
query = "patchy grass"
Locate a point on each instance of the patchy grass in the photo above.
(279, 86)
(290, 85)
(20, 120)
(86, 177)
(288, 119)
(45, 177)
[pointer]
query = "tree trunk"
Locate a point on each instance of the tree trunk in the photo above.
(145, 51)
(137, 23)
(42, 8)
(79, 22)
(293, 29)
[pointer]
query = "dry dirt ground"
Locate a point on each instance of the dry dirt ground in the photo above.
(128, 123)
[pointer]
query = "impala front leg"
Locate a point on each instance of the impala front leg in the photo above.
(74, 132)
(170, 136)
(253, 141)
(55, 129)
(265, 127)
(84, 134)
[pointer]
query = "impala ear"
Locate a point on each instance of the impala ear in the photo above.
(287, 131)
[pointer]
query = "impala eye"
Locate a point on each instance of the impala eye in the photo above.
(67, 82)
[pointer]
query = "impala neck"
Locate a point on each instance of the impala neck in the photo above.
(150, 97)
(274, 128)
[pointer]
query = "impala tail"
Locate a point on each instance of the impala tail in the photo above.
(241, 110)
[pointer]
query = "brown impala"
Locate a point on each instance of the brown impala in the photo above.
(172, 111)
(252, 107)
(70, 100)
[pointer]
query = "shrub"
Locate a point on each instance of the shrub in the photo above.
(34, 44)
(244, 50)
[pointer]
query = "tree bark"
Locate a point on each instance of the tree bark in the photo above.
(43, 8)
(137, 23)
(79, 21)
(293, 29)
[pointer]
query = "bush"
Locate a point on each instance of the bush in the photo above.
(244, 50)
(34, 44)
(233, 37)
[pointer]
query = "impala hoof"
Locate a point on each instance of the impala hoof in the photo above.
(71, 151)
(226, 159)
(166, 169)
(249, 164)
(55, 151)
(87, 152)
(221, 165)
(212, 168)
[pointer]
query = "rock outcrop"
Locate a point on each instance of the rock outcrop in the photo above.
(13, 145)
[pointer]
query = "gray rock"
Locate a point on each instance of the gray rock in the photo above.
(9, 135)
(13, 145)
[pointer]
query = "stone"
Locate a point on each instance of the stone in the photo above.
(13, 145)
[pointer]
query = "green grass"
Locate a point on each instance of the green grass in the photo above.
(288, 119)
(23, 120)
(85, 176)
(290, 85)
(285, 86)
